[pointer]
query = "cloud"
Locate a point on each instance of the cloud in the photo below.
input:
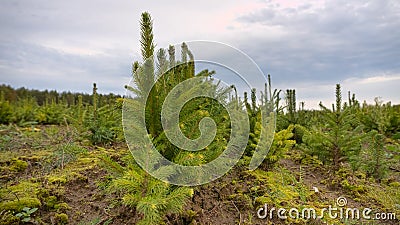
(368, 88)
(374, 80)
(78, 42)
(29, 65)
(384, 86)
(306, 45)
(329, 41)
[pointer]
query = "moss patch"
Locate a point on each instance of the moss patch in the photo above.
(18, 165)
(16, 197)
(15, 165)
(61, 218)
(18, 204)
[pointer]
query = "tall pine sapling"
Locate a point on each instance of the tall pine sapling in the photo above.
(374, 158)
(335, 140)
(152, 198)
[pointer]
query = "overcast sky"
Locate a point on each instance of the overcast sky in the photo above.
(305, 45)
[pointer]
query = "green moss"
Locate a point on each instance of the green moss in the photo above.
(56, 190)
(7, 217)
(255, 188)
(355, 189)
(359, 188)
(386, 196)
(75, 176)
(278, 188)
(64, 176)
(33, 158)
(26, 186)
(311, 160)
(63, 206)
(23, 189)
(343, 172)
(50, 202)
(7, 156)
(360, 175)
(18, 165)
(260, 201)
(61, 218)
(88, 161)
(17, 205)
(15, 198)
(345, 184)
(42, 194)
(395, 184)
(189, 215)
(57, 179)
(242, 200)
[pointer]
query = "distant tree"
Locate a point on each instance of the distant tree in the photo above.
(171, 53)
(5, 110)
(291, 106)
